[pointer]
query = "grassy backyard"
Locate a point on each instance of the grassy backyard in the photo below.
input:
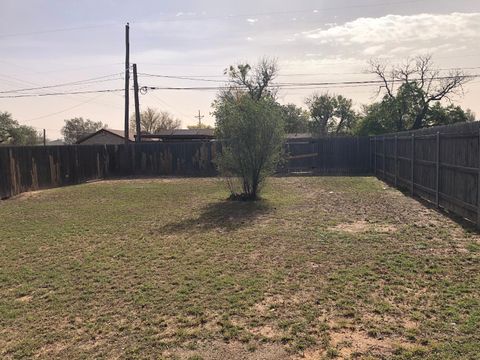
(166, 268)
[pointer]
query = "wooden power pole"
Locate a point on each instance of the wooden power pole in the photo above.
(44, 138)
(127, 80)
(199, 117)
(137, 105)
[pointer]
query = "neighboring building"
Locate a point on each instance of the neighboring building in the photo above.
(180, 135)
(104, 137)
(54, 142)
(299, 137)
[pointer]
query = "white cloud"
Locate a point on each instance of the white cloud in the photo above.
(399, 28)
(373, 50)
(252, 21)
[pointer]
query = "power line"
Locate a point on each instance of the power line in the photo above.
(286, 12)
(225, 78)
(293, 85)
(179, 77)
(61, 93)
(38, 32)
(202, 18)
(79, 82)
(63, 110)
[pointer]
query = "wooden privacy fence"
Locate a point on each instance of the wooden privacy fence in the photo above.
(26, 168)
(328, 156)
(440, 165)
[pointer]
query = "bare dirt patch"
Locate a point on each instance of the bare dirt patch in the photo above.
(363, 226)
(233, 351)
(25, 299)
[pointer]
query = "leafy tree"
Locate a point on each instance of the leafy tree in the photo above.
(296, 119)
(11, 132)
(26, 135)
(249, 122)
(380, 118)
(377, 118)
(6, 125)
(256, 81)
(413, 87)
(331, 114)
(76, 128)
(252, 132)
(152, 121)
(438, 115)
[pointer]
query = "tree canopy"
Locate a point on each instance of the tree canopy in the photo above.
(296, 119)
(331, 114)
(410, 89)
(11, 132)
(152, 121)
(76, 128)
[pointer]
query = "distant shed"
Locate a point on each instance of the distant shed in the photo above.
(104, 137)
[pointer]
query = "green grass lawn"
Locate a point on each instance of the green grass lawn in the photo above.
(320, 268)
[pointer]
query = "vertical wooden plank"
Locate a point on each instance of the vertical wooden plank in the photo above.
(375, 155)
(396, 160)
(437, 176)
(478, 182)
(383, 154)
(412, 176)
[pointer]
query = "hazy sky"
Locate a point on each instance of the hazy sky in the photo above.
(51, 42)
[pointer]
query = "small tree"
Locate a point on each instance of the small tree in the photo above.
(249, 122)
(252, 133)
(76, 128)
(153, 121)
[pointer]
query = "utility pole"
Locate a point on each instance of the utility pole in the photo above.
(127, 79)
(199, 117)
(137, 105)
(44, 138)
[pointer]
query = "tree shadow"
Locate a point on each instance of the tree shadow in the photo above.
(224, 215)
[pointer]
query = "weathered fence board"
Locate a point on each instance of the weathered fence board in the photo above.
(440, 165)
(26, 168)
(329, 156)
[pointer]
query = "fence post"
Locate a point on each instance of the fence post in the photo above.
(396, 159)
(412, 187)
(437, 185)
(478, 183)
(383, 152)
(375, 155)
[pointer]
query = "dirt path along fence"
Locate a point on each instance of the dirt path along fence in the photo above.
(440, 165)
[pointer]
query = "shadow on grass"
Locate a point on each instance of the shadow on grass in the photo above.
(224, 215)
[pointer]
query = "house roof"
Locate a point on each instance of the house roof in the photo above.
(299, 136)
(182, 134)
(55, 142)
(119, 133)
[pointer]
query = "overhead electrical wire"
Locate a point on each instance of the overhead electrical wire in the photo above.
(73, 83)
(60, 93)
(292, 85)
(201, 17)
(63, 110)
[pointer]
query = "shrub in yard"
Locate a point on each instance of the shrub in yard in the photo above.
(251, 132)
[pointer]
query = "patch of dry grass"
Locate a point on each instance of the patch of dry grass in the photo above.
(321, 268)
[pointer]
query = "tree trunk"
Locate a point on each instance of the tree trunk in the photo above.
(419, 118)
